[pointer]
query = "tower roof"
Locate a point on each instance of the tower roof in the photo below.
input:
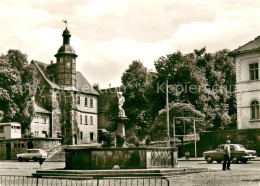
(66, 48)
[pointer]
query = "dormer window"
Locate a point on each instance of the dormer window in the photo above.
(253, 69)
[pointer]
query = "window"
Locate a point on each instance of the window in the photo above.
(91, 103)
(45, 133)
(81, 119)
(67, 81)
(36, 118)
(91, 136)
(44, 119)
(86, 120)
(78, 100)
(81, 135)
(86, 102)
(36, 133)
(67, 99)
(1, 129)
(61, 60)
(254, 110)
(57, 97)
(37, 81)
(91, 120)
(253, 71)
(68, 64)
(68, 118)
(73, 60)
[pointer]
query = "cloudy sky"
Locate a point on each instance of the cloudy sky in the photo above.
(108, 35)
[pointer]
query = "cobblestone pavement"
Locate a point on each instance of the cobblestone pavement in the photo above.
(241, 174)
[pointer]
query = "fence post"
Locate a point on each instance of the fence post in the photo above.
(37, 181)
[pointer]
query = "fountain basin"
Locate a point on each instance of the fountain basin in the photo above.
(90, 158)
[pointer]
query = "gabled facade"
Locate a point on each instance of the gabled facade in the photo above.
(67, 95)
(247, 58)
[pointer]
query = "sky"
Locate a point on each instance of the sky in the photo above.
(108, 35)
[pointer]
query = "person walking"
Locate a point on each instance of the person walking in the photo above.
(226, 162)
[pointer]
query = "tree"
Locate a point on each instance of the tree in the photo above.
(179, 109)
(202, 79)
(16, 90)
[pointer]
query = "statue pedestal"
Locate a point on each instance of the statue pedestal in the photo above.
(121, 127)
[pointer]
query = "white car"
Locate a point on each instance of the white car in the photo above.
(32, 154)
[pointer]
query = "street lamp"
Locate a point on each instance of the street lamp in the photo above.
(167, 110)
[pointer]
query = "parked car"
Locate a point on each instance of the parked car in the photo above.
(237, 153)
(32, 154)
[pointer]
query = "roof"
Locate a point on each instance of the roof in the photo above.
(66, 49)
(251, 46)
(39, 109)
(10, 123)
(82, 84)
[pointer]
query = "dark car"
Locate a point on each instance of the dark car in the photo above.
(237, 153)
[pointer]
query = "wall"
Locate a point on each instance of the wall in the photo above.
(106, 158)
(20, 145)
(250, 138)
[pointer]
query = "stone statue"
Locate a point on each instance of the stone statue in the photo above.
(121, 101)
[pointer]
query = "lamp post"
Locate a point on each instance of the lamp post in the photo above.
(167, 115)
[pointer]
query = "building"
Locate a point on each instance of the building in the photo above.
(247, 58)
(10, 130)
(66, 97)
(40, 125)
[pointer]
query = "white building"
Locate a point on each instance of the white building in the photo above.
(247, 58)
(10, 130)
(40, 125)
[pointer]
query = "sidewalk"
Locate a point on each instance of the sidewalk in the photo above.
(203, 159)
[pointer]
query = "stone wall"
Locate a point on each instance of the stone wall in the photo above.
(86, 158)
(20, 145)
(250, 138)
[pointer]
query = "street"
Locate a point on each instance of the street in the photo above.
(241, 174)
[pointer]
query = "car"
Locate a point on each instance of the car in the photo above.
(32, 154)
(237, 153)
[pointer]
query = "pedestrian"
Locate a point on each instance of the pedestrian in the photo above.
(226, 162)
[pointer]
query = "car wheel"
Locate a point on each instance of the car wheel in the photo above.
(35, 159)
(20, 159)
(234, 159)
(209, 159)
(219, 161)
(244, 160)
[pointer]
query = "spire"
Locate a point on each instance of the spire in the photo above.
(66, 36)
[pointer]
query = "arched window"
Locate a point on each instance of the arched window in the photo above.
(254, 109)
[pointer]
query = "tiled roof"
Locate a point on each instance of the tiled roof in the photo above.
(39, 109)
(253, 45)
(82, 84)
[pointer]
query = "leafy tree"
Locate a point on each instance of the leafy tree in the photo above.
(202, 79)
(158, 129)
(16, 90)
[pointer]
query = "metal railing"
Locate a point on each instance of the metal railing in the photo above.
(10, 180)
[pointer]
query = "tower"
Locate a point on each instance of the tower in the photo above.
(66, 62)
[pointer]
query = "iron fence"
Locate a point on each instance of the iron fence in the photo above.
(11, 180)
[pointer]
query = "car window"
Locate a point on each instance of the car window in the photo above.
(28, 151)
(241, 147)
(35, 151)
(233, 148)
(220, 147)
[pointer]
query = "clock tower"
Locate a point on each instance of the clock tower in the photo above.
(66, 62)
